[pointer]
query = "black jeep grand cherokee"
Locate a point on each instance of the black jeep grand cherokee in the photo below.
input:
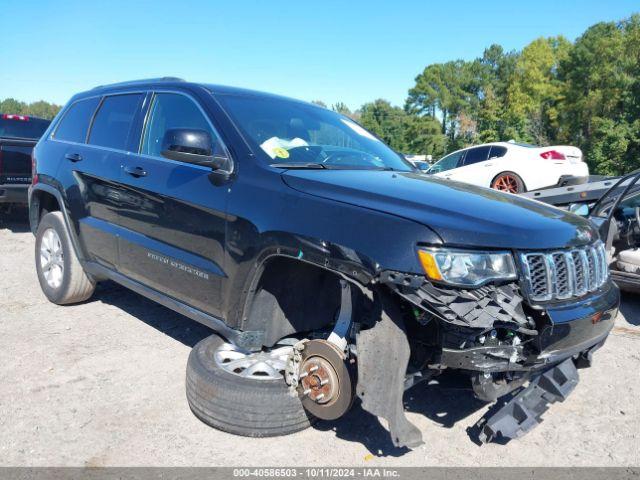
(328, 266)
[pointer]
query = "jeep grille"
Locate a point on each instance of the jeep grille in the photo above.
(564, 274)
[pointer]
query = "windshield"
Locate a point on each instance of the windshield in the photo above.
(19, 128)
(295, 133)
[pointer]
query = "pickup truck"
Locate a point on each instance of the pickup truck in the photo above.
(18, 136)
(328, 267)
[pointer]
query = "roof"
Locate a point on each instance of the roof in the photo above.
(179, 82)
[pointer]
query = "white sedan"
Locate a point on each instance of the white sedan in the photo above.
(512, 167)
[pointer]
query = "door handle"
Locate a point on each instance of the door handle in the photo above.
(136, 171)
(488, 164)
(73, 157)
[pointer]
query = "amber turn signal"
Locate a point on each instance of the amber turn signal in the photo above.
(429, 265)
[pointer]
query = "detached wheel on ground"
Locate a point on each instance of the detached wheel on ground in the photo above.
(61, 276)
(243, 393)
(508, 182)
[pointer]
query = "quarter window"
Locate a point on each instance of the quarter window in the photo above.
(497, 151)
(75, 123)
(113, 123)
(475, 155)
(169, 111)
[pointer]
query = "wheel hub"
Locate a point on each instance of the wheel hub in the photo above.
(506, 183)
(319, 380)
(52, 258)
(326, 384)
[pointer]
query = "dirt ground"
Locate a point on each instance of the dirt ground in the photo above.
(102, 384)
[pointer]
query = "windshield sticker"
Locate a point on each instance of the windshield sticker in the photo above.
(280, 152)
(359, 130)
(278, 147)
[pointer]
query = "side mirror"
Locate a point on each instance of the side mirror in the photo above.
(188, 145)
(581, 209)
(422, 166)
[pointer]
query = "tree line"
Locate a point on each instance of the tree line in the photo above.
(40, 108)
(584, 93)
(553, 91)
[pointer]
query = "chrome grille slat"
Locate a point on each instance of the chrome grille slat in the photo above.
(580, 277)
(564, 274)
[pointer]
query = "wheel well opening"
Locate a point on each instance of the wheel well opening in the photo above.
(292, 297)
(41, 204)
(510, 173)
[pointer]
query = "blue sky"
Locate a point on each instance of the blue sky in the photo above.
(351, 51)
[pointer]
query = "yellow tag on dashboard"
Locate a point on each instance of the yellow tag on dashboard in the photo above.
(280, 152)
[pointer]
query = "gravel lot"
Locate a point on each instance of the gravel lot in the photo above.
(102, 384)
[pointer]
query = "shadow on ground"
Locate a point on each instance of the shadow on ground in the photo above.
(175, 325)
(16, 220)
(444, 401)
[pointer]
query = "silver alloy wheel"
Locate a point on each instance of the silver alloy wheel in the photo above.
(269, 365)
(52, 258)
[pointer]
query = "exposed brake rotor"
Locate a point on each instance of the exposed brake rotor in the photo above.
(326, 384)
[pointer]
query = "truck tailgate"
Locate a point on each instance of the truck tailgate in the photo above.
(15, 161)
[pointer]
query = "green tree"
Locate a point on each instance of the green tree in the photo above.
(535, 91)
(386, 121)
(601, 89)
(37, 109)
(12, 106)
(43, 109)
(423, 136)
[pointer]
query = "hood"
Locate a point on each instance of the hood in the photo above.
(461, 214)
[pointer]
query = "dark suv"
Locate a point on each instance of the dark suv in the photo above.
(328, 266)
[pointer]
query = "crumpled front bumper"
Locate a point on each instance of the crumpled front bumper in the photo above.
(524, 411)
(569, 330)
(553, 340)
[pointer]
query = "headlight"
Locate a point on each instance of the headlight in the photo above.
(466, 268)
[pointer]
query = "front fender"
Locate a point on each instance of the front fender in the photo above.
(354, 242)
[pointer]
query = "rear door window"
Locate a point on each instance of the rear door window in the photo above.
(113, 124)
(75, 122)
(497, 151)
(475, 155)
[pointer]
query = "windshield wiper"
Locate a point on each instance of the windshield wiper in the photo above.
(308, 165)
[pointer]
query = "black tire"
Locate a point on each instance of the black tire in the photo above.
(76, 286)
(242, 406)
(518, 183)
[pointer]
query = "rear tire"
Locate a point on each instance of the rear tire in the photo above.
(239, 405)
(508, 182)
(65, 281)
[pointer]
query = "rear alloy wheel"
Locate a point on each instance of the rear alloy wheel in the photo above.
(508, 182)
(60, 273)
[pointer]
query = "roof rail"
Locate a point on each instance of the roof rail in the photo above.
(146, 80)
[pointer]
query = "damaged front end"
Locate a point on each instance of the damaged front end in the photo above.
(504, 342)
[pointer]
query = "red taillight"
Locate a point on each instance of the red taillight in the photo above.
(22, 118)
(553, 155)
(34, 175)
